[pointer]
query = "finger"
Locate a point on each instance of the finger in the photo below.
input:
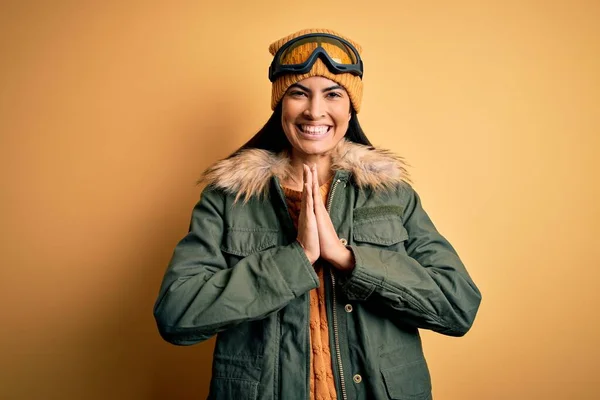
(316, 188)
(303, 174)
(303, 199)
(316, 195)
(307, 187)
(320, 204)
(308, 177)
(315, 179)
(303, 184)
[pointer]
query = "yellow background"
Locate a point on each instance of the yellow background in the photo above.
(110, 110)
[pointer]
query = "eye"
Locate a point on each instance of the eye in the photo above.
(296, 93)
(333, 95)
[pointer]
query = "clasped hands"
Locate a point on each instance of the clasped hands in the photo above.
(316, 233)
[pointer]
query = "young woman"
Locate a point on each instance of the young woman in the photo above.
(309, 254)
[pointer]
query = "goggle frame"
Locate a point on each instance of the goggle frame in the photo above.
(276, 69)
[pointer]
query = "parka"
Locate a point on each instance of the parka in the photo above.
(240, 274)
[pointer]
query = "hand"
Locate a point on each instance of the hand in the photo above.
(332, 249)
(308, 234)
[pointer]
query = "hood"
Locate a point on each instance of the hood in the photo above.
(248, 173)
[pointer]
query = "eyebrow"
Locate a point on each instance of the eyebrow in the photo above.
(328, 89)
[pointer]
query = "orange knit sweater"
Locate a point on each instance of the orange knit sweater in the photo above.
(322, 384)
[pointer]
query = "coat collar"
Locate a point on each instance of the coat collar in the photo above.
(248, 173)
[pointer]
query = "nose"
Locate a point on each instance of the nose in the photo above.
(314, 109)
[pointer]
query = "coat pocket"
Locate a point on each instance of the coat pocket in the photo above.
(234, 377)
(381, 232)
(408, 382)
(245, 241)
(231, 388)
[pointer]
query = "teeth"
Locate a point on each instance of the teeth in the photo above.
(315, 130)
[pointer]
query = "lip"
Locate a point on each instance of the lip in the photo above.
(310, 136)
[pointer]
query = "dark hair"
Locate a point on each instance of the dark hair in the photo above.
(271, 136)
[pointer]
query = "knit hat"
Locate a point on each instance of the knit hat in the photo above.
(352, 83)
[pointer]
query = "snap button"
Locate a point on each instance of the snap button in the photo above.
(357, 378)
(348, 308)
(343, 241)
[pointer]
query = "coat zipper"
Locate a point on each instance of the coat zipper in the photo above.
(335, 323)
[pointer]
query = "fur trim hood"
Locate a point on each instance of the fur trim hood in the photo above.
(248, 173)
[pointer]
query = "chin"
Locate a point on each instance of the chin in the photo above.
(316, 148)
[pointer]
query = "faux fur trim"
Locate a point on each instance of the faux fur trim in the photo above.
(248, 173)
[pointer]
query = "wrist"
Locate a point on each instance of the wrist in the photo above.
(307, 253)
(343, 259)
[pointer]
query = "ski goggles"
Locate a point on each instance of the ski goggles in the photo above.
(299, 55)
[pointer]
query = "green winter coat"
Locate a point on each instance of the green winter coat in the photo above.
(239, 273)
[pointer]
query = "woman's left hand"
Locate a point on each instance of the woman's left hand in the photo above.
(332, 250)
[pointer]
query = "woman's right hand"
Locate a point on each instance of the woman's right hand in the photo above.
(308, 235)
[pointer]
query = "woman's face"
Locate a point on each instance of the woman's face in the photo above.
(315, 115)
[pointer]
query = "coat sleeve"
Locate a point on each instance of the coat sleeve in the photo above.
(201, 295)
(428, 287)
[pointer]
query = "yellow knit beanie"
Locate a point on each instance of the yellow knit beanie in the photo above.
(352, 83)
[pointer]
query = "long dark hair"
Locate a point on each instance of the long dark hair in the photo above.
(271, 136)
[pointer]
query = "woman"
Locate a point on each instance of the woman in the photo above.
(309, 253)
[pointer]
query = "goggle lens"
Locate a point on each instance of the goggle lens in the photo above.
(301, 50)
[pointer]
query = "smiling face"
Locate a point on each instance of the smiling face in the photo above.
(315, 115)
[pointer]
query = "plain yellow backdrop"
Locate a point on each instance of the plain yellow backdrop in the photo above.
(110, 110)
